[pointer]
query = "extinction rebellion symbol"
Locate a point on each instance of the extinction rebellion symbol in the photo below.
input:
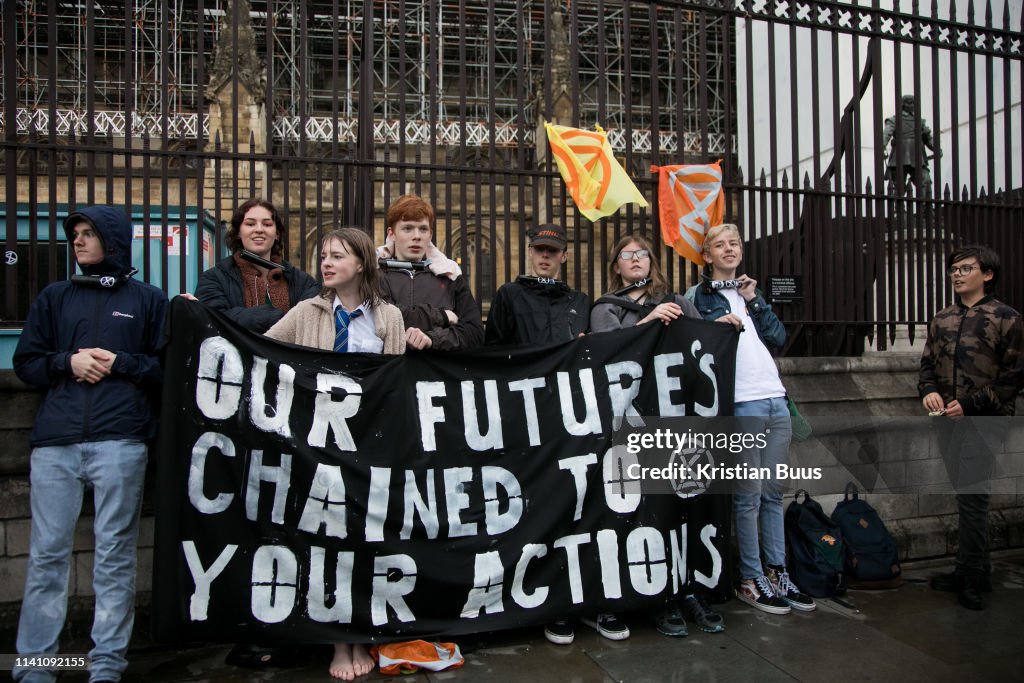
(108, 281)
(686, 461)
(10, 257)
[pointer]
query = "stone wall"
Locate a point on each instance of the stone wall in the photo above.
(923, 523)
(876, 385)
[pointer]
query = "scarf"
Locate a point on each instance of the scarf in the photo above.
(257, 287)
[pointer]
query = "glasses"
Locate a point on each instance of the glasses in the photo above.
(965, 269)
(640, 254)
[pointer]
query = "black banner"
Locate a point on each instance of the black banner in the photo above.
(308, 496)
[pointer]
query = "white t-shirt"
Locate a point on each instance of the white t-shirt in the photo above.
(362, 331)
(756, 374)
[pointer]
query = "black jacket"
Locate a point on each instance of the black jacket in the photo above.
(125, 319)
(536, 311)
(423, 298)
(220, 288)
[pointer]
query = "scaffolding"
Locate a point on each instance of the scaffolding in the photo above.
(432, 68)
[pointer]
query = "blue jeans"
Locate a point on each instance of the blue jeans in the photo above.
(59, 476)
(759, 503)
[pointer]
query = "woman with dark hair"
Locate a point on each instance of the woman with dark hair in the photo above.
(249, 292)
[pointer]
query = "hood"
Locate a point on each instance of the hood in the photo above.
(114, 229)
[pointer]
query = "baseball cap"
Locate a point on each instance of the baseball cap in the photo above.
(548, 234)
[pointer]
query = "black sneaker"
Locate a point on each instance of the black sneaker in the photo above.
(696, 608)
(559, 632)
(670, 622)
(760, 594)
(608, 625)
(787, 590)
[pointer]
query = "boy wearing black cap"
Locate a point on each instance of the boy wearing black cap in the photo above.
(539, 308)
(91, 344)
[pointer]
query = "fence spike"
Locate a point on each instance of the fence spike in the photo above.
(970, 12)
(952, 13)
(988, 13)
(739, 175)
(785, 179)
(911, 330)
(964, 196)
(867, 186)
(764, 179)
(947, 193)
(807, 181)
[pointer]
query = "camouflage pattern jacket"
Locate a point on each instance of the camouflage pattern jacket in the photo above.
(975, 355)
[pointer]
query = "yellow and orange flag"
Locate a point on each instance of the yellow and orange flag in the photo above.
(690, 201)
(597, 182)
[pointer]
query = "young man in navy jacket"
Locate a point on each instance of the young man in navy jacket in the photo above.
(91, 344)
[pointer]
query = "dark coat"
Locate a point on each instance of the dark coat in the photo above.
(534, 311)
(125, 319)
(423, 298)
(220, 288)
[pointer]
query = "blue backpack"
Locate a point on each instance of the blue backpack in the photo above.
(871, 557)
(815, 547)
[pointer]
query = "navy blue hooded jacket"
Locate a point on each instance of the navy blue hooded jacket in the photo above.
(125, 319)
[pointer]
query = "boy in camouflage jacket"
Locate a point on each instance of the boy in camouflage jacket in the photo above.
(972, 365)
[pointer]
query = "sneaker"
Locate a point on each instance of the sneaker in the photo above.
(787, 590)
(559, 632)
(759, 593)
(696, 608)
(608, 625)
(670, 622)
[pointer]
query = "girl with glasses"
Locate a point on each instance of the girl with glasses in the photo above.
(640, 295)
(639, 292)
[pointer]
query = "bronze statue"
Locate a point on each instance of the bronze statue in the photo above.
(903, 162)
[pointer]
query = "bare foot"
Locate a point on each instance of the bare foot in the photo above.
(342, 666)
(362, 662)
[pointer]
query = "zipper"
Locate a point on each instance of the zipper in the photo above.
(412, 288)
(87, 409)
(956, 353)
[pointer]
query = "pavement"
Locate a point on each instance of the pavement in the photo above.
(907, 634)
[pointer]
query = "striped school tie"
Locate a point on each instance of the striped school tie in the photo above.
(342, 318)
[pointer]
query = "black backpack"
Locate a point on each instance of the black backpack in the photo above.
(815, 547)
(871, 557)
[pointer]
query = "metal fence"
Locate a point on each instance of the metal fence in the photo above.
(331, 109)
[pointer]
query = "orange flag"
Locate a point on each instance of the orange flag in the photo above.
(691, 201)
